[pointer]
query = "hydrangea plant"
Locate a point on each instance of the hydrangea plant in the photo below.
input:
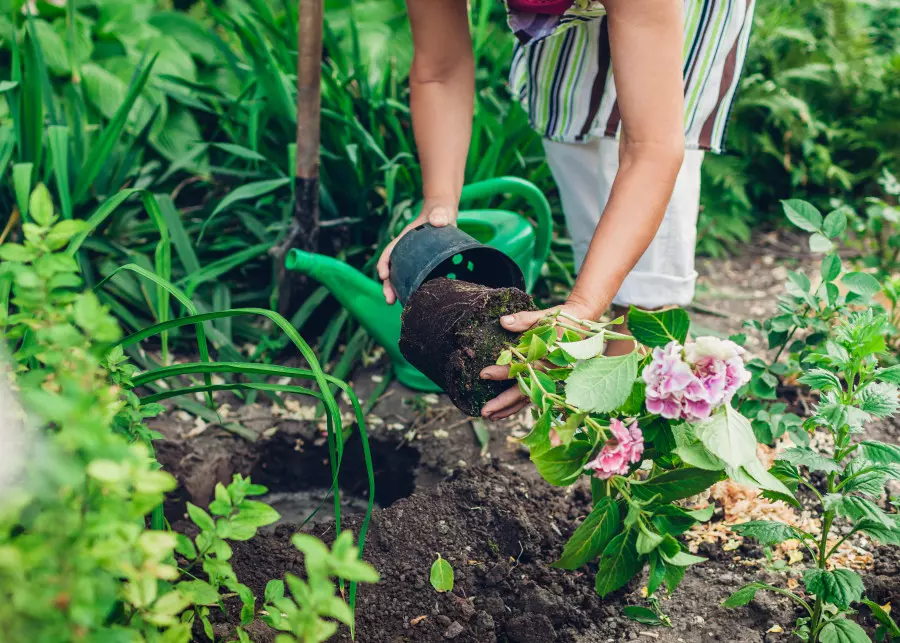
(649, 428)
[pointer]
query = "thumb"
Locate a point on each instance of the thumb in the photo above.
(440, 216)
(522, 321)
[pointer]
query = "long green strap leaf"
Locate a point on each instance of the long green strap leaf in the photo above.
(58, 137)
(101, 150)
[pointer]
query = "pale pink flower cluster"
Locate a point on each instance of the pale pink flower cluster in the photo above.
(690, 382)
(623, 449)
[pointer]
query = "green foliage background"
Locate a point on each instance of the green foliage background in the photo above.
(194, 102)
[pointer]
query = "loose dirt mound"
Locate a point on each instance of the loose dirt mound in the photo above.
(500, 531)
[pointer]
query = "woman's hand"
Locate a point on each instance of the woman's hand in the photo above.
(513, 399)
(438, 214)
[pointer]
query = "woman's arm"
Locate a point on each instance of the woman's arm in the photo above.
(646, 41)
(442, 90)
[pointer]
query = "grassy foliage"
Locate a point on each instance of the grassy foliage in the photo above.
(816, 115)
(196, 108)
(76, 557)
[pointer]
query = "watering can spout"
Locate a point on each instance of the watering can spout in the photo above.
(361, 296)
(364, 299)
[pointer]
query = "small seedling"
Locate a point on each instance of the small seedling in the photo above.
(442, 575)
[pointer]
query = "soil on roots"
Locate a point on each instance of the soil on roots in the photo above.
(451, 331)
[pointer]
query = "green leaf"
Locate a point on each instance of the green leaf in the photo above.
(802, 456)
(835, 223)
(863, 477)
(831, 267)
(641, 615)
(767, 532)
(843, 631)
(17, 253)
(887, 535)
(658, 328)
(585, 348)
(861, 283)
(199, 592)
(537, 349)
(541, 385)
(61, 233)
(879, 399)
(185, 547)
(591, 537)
(819, 243)
(22, 187)
(753, 473)
(274, 590)
(566, 431)
(244, 193)
(657, 574)
(743, 596)
(52, 48)
(675, 485)
(697, 455)
(802, 214)
(882, 616)
(561, 466)
(442, 575)
(602, 385)
(674, 576)
(255, 514)
(538, 439)
(798, 283)
(619, 563)
(200, 518)
(728, 435)
(41, 206)
(102, 147)
(891, 374)
(821, 380)
(857, 508)
(683, 559)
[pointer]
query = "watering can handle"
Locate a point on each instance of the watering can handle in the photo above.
(511, 185)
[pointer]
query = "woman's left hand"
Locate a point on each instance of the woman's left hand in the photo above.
(513, 400)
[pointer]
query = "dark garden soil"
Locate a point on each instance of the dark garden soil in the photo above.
(478, 503)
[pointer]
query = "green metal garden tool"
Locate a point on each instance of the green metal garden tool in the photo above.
(504, 230)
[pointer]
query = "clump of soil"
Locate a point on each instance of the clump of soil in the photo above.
(451, 331)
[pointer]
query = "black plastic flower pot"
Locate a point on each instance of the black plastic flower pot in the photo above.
(427, 252)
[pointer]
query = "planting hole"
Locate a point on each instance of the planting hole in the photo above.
(451, 275)
(298, 475)
(457, 259)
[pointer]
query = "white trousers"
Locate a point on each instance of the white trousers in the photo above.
(664, 275)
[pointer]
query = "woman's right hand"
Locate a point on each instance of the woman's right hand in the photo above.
(436, 212)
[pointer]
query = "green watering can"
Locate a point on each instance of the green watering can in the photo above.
(504, 230)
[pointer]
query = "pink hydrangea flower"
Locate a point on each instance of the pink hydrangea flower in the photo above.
(620, 451)
(692, 381)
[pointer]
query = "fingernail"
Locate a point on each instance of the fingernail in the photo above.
(485, 375)
(508, 319)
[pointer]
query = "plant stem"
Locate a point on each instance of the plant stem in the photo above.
(821, 563)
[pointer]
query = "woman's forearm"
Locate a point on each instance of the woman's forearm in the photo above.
(442, 89)
(646, 41)
(636, 206)
(442, 122)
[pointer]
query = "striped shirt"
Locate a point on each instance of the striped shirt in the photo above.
(562, 73)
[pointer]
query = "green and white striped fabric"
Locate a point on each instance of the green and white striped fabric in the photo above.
(564, 80)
